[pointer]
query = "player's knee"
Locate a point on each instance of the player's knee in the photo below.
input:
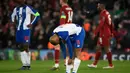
(22, 47)
(98, 48)
(57, 47)
(107, 49)
(26, 47)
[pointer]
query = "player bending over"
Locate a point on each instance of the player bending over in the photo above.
(66, 15)
(73, 35)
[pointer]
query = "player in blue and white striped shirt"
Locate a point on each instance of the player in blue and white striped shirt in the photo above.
(73, 35)
(22, 14)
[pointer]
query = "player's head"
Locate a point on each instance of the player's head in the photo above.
(20, 1)
(54, 39)
(100, 6)
(63, 1)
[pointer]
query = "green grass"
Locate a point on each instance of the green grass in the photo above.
(44, 66)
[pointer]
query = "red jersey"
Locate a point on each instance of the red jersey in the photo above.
(105, 27)
(66, 14)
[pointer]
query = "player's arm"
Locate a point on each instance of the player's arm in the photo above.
(36, 14)
(111, 25)
(101, 22)
(65, 35)
(70, 49)
(13, 16)
(63, 48)
(62, 17)
(113, 30)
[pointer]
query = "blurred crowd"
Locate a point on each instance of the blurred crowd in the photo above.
(85, 14)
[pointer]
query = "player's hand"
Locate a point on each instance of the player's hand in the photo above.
(70, 61)
(29, 25)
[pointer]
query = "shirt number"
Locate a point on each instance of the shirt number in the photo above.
(70, 16)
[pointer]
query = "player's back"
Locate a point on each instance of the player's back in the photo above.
(70, 28)
(23, 16)
(66, 15)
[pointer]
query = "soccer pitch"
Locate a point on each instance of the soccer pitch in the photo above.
(44, 67)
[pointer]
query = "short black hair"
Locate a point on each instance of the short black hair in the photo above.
(101, 2)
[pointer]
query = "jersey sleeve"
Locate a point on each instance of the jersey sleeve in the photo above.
(108, 19)
(110, 24)
(101, 22)
(13, 15)
(35, 13)
(62, 17)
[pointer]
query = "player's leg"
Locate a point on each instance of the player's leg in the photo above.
(69, 64)
(77, 60)
(27, 55)
(19, 44)
(98, 54)
(22, 56)
(57, 56)
(63, 49)
(108, 52)
(26, 43)
(78, 47)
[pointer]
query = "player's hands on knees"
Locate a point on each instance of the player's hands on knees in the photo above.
(29, 25)
(70, 61)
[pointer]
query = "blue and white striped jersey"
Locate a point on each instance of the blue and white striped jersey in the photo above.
(23, 16)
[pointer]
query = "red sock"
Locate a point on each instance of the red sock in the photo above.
(57, 55)
(98, 54)
(109, 57)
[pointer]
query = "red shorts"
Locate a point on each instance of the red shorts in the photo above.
(103, 41)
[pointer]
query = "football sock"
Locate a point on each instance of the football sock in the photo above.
(68, 68)
(76, 65)
(57, 53)
(28, 58)
(66, 62)
(109, 57)
(22, 58)
(98, 54)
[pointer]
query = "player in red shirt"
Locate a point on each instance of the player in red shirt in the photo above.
(66, 13)
(66, 16)
(105, 30)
